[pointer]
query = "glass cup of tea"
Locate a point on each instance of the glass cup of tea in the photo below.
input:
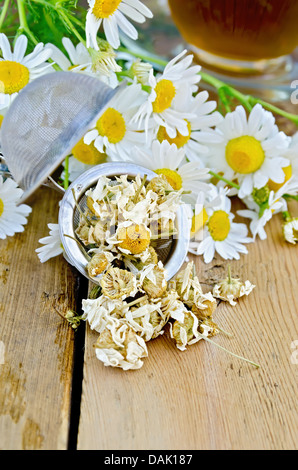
(242, 39)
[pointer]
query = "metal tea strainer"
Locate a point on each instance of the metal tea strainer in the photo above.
(171, 251)
(41, 127)
(45, 121)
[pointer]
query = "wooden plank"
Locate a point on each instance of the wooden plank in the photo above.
(38, 346)
(204, 398)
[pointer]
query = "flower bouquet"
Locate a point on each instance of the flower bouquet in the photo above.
(203, 152)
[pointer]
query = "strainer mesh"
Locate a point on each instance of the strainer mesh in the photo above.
(46, 120)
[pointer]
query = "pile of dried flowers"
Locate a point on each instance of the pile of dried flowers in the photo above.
(205, 152)
(121, 229)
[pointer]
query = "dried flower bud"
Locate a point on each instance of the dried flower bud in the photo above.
(231, 289)
(155, 285)
(134, 239)
(290, 230)
(98, 264)
(119, 345)
(118, 284)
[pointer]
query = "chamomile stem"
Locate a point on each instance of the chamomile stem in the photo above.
(290, 196)
(140, 189)
(23, 22)
(70, 25)
(286, 216)
(229, 352)
(221, 178)
(247, 101)
(66, 172)
(3, 12)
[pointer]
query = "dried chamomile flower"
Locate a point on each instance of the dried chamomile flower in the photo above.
(118, 284)
(231, 289)
(82, 233)
(97, 233)
(154, 281)
(133, 239)
(206, 309)
(190, 291)
(149, 258)
(290, 230)
(185, 332)
(120, 346)
(192, 330)
(147, 320)
(159, 185)
(99, 263)
(98, 311)
(208, 327)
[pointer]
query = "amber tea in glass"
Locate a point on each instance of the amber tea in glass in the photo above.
(238, 33)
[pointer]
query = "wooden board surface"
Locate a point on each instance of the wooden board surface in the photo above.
(204, 398)
(37, 346)
(201, 398)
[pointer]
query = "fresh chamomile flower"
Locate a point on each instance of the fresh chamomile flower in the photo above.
(199, 125)
(12, 216)
(112, 14)
(17, 70)
(114, 133)
(271, 204)
(292, 169)
(80, 59)
(252, 150)
(219, 233)
(167, 160)
(178, 80)
(82, 158)
(52, 245)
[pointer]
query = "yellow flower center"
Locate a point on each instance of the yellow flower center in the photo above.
(1, 119)
(245, 154)
(87, 154)
(198, 222)
(173, 178)
(135, 238)
(13, 77)
(165, 93)
(112, 125)
(105, 8)
(180, 140)
(288, 171)
(219, 225)
(1, 207)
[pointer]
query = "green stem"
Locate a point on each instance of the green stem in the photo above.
(221, 178)
(145, 58)
(286, 216)
(290, 196)
(3, 12)
(66, 172)
(23, 22)
(247, 101)
(70, 25)
(223, 97)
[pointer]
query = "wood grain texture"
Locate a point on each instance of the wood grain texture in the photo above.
(36, 367)
(204, 398)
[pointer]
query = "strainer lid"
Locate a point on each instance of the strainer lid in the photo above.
(68, 217)
(46, 120)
